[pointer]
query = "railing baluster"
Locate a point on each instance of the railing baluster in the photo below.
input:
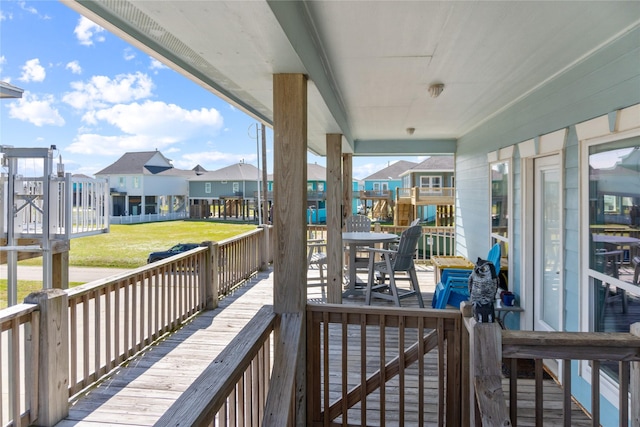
(623, 392)
(513, 391)
(539, 411)
(566, 383)
(595, 392)
(383, 372)
(363, 369)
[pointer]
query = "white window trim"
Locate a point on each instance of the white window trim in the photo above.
(608, 388)
(207, 187)
(429, 188)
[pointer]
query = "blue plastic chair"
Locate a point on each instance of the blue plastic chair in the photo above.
(453, 288)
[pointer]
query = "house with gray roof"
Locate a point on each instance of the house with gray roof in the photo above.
(146, 183)
(380, 189)
(231, 191)
(428, 192)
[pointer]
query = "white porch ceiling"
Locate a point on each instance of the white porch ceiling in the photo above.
(370, 62)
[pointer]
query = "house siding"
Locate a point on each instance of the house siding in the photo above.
(606, 81)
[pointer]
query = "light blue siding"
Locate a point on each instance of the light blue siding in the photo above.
(606, 81)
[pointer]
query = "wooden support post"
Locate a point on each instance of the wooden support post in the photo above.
(634, 385)
(290, 191)
(334, 219)
(53, 355)
(486, 371)
(290, 200)
(347, 186)
(60, 270)
(211, 276)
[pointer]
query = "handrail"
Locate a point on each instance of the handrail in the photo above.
(208, 394)
(381, 347)
(111, 319)
(592, 347)
(19, 326)
(280, 405)
(434, 240)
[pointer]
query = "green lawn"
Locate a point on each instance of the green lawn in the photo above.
(127, 246)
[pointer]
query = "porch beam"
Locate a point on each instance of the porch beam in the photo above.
(334, 218)
(407, 147)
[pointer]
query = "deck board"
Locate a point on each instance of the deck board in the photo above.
(140, 392)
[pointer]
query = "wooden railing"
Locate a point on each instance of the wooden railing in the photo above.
(233, 389)
(18, 370)
(99, 325)
(114, 318)
(434, 240)
(487, 345)
(370, 364)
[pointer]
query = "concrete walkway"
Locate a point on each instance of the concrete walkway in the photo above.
(76, 274)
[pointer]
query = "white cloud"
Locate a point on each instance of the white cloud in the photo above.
(165, 122)
(87, 31)
(32, 71)
(157, 65)
(38, 111)
(128, 54)
(106, 145)
(30, 9)
(75, 67)
(101, 91)
(3, 61)
(146, 126)
(212, 160)
(4, 16)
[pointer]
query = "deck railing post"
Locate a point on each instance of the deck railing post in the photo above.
(635, 383)
(211, 276)
(485, 372)
(264, 247)
(53, 355)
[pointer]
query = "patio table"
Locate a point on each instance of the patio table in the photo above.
(358, 238)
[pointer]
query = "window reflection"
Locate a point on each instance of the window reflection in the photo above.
(500, 198)
(614, 235)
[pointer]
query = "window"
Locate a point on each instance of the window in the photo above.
(611, 201)
(207, 187)
(122, 182)
(500, 199)
(136, 182)
(430, 184)
(236, 187)
(500, 196)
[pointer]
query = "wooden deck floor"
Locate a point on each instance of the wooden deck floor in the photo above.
(140, 392)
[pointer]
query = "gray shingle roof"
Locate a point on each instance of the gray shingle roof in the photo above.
(392, 171)
(235, 172)
(435, 163)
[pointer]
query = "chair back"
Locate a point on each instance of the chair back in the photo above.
(360, 223)
(403, 258)
(494, 256)
(416, 221)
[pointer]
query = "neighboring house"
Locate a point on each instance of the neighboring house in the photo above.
(229, 191)
(428, 191)
(146, 183)
(380, 189)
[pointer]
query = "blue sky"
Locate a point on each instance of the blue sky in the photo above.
(95, 97)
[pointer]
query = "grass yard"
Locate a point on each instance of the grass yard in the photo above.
(25, 287)
(127, 246)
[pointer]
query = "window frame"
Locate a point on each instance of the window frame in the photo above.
(609, 386)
